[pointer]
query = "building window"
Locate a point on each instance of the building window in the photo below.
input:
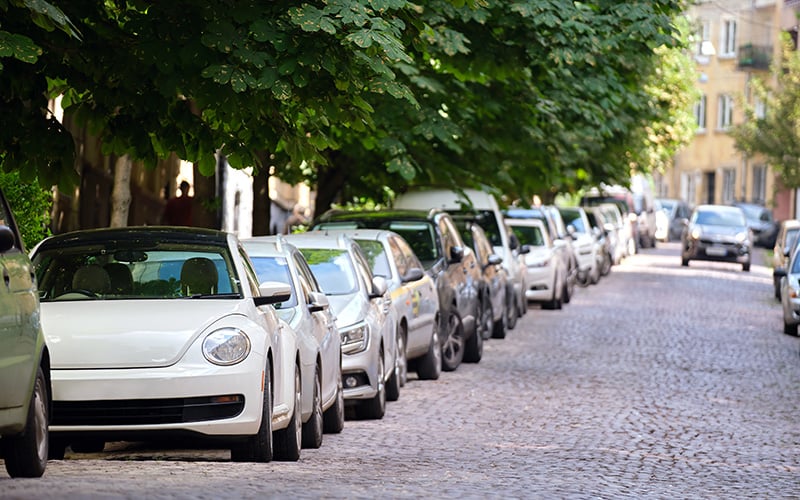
(702, 38)
(759, 183)
(724, 112)
(689, 187)
(760, 108)
(700, 113)
(728, 40)
(728, 185)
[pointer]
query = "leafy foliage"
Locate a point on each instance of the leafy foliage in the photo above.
(776, 135)
(31, 206)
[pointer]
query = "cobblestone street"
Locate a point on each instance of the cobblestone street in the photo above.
(659, 382)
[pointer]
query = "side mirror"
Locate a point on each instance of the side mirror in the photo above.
(272, 292)
(494, 260)
(318, 301)
(456, 254)
(413, 274)
(525, 249)
(379, 287)
(7, 240)
(571, 230)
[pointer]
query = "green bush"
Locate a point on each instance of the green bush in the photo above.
(31, 206)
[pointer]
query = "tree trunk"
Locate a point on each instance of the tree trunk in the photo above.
(330, 180)
(261, 203)
(204, 209)
(121, 192)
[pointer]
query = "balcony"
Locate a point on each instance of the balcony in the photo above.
(754, 57)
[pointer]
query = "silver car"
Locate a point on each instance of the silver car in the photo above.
(308, 313)
(367, 326)
(790, 293)
(413, 298)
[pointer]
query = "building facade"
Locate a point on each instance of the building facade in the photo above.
(735, 41)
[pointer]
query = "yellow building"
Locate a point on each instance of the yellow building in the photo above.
(735, 41)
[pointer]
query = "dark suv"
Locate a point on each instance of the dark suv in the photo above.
(436, 241)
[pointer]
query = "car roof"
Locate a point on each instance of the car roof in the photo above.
(377, 215)
(359, 233)
(275, 245)
(144, 234)
(319, 239)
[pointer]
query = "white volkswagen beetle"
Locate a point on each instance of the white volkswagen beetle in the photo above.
(164, 331)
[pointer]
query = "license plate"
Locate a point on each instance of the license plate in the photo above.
(716, 251)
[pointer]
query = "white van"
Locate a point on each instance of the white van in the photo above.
(484, 209)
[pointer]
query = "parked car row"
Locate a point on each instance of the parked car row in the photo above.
(786, 273)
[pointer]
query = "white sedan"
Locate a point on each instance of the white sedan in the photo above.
(546, 272)
(157, 332)
(309, 314)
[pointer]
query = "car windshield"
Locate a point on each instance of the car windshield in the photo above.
(375, 253)
(275, 269)
(529, 235)
(333, 269)
(115, 272)
(573, 218)
(719, 218)
(667, 205)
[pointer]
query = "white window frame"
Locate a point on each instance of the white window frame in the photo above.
(700, 113)
(724, 112)
(727, 39)
(728, 185)
(760, 108)
(759, 193)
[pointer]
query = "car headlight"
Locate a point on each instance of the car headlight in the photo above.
(697, 233)
(741, 237)
(354, 337)
(226, 346)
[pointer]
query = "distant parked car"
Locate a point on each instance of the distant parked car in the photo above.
(761, 222)
(598, 224)
(365, 321)
(494, 301)
(547, 272)
(587, 248)
(624, 200)
(413, 298)
(717, 233)
(24, 359)
(482, 207)
(159, 331)
(433, 236)
(785, 243)
(677, 213)
(309, 314)
(790, 293)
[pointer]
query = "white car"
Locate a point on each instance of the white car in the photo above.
(547, 272)
(365, 321)
(413, 298)
(308, 313)
(585, 245)
(164, 331)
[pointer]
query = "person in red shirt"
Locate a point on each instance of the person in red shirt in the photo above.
(178, 211)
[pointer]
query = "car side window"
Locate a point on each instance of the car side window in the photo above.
(363, 270)
(305, 274)
(398, 256)
(410, 257)
(252, 277)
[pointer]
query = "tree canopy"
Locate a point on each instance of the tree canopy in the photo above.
(357, 95)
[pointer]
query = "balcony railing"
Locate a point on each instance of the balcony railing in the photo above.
(755, 57)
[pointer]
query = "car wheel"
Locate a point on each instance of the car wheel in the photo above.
(333, 418)
(258, 448)
(499, 328)
(684, 261)
(605, 268)
(312, 430)
(512, 315)
(746, 267)
(429, 367)
(393, 384)
(486, 320)
(473, 351)
(453, 341)
(26, 454)
(375, 408)
(566, 292)
(402, 360)
(287, 441)
(790, 329)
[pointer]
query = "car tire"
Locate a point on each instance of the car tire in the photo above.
(26, 454)
(512, 315)
(790, 329)
(453, 341)
(746, 267)
(499, 328)
(258, 448)
(605, 268)
(473, 350)
(393, 384)
(375, 408)
(402, 358)
(566, 293)
(333, 418)
(684, 262)
(429, 367)
(312, 430)
(287, 442)
(486, 320)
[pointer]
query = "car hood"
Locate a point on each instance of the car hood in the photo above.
(93, 334)
(348, 309)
